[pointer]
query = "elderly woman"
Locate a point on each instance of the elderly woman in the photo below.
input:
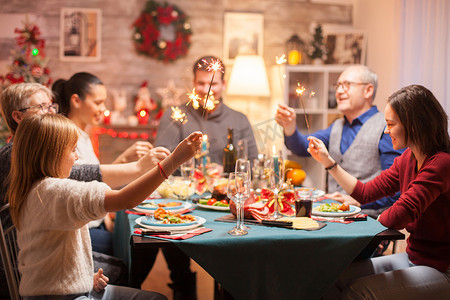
(416, 120)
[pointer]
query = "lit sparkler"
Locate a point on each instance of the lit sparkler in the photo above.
(281, 60)
(214, 66)
(210, 102)
(178, 115)
(300, 90)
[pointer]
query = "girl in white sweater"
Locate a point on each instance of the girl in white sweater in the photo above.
(51, 212)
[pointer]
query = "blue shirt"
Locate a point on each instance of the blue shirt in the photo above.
(298, 144)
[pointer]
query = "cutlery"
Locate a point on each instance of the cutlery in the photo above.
(277, 223)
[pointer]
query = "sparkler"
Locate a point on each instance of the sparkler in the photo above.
(210, 102)
(300, 90)
(281, 60)
(214, 66)
(178, 115)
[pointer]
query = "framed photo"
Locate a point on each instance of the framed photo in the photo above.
(80, 34)
(243, 34)
(347, 47)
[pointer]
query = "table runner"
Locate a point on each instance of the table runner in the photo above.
(275, 263)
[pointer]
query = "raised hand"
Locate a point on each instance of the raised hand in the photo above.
(152, 158)
(134, 152)
(319, 152)
(286, 118)
(100, 281)
(187, 148)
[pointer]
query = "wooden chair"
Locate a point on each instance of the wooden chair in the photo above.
(9, 251)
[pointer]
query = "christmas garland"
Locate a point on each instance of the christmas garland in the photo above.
(162, 32)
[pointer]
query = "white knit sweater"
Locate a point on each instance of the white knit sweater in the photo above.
(55, 256)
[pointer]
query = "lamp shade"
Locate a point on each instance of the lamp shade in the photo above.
(248, 77)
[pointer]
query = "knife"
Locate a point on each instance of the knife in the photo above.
(277, 223)
(154, 232)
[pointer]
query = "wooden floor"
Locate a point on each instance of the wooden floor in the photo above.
(158, 278)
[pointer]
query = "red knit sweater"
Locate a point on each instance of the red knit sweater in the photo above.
(423, 207)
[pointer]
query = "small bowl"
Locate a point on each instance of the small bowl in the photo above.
(176, 188)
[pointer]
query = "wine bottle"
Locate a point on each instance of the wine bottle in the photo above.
(229, 154)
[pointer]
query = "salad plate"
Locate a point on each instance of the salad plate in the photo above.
(153, 224)
(352, 210)
(221, 208)
(150, 205)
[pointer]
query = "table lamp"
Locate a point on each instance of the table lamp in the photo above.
(248, 77)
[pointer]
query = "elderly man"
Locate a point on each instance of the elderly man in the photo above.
(356, 141)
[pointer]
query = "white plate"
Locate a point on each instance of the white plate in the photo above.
(222, 208)
(352, 210)
(176, 209)
(318, 194)
(200, 221)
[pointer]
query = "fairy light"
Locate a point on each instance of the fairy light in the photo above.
(300, 90)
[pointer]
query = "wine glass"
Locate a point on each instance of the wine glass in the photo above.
(238, 188)
(242, 152)
(187, 174)
(243, 166)
(276, 180)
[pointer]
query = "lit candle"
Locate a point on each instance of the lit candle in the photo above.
(142, 117)
(276, 165)
(204, 149)
(106, 117)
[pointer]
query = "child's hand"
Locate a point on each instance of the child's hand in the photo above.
(100, 281)
(188, 147)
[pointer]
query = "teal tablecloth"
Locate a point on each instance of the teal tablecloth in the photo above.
(269, 262)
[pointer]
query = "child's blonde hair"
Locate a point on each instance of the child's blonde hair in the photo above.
(39, 145)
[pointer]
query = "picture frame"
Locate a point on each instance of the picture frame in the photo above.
(80, 34)
(346, 47)
(243, 34)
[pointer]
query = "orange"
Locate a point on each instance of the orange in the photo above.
(296, 175)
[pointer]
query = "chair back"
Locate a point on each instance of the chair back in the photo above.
(9, 251)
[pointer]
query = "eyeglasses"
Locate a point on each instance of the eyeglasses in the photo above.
(45, 108)
(346, 85)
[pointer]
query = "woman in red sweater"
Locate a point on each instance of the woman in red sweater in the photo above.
(416, 120)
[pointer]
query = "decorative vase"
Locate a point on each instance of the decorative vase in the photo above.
(317, 61)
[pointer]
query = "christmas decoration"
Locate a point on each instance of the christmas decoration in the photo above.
(170, 95)
(317, 49)
(146, 109)
(162, 32)
(29, 62)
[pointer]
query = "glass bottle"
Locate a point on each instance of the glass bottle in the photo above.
(229, 154)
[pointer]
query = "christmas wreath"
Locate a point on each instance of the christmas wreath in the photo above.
(162, 32)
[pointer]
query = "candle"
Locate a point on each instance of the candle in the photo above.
(276, 165)
(204, 149)
(142, 117)
(106, 117)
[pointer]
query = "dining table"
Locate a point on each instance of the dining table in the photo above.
(267, 263)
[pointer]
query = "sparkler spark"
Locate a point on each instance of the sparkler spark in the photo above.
(312, 94)
(300, 90)
(210, 102)
(281, 60)
(178, 115)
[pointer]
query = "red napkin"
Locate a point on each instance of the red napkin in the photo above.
(177, 236)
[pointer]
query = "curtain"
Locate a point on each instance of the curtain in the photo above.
(425, 46)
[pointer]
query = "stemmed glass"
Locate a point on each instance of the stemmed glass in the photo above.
(187, 174)
(238, 189)
(243, 166)
(276, 181)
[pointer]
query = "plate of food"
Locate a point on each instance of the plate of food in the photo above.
(334, 210)
(151, 205)
(212, 203)
(166, 220)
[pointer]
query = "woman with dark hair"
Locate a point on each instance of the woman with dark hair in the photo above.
(416, 120)
(82, 99)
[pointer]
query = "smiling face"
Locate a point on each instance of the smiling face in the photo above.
(357, 99)
(90, 110)
(201, 84)
(394, 128)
